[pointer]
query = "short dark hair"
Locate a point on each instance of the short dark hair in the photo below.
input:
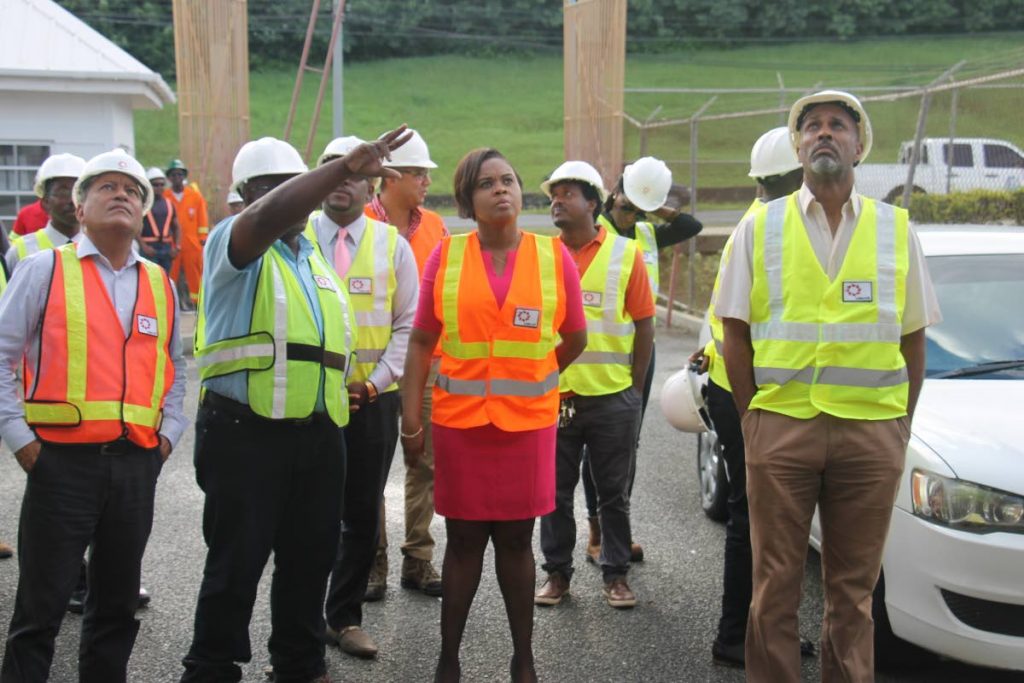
(467, 173)
(609, 203)
(588, 191)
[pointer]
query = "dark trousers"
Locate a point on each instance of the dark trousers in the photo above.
(589, 490)
(77, 497)
(606, 426)
(162, 255)
(738, 577)
(370, 440)
(270, 486)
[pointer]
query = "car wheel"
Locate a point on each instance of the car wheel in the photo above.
(714, 486)
(891, 651)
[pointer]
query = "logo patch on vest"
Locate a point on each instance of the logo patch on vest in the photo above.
(526, 317)
(857, 291)
(360, 285)
(324, 282)
(146, 325)
(592, 298)
(650, 257)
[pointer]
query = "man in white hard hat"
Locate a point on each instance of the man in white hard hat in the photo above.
(378, 270)
(235, 203)
(102, 412)
(601, 391)
(645, 187)
(54, 182)
(400, 203)
(778, 172)
(824, 303)
(274, 337)
(161, 236)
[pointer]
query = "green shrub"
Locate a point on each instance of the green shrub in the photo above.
(976, 206)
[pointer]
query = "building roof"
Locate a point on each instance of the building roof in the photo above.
(43, 47)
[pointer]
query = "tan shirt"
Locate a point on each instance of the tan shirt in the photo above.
(920, 310)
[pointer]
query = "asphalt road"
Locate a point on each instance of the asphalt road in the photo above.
(666, 638)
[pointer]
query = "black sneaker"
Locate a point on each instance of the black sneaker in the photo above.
(728, 655)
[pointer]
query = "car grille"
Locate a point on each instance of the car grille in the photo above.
(985, 615)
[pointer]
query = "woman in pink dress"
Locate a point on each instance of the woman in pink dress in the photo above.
(507, 309)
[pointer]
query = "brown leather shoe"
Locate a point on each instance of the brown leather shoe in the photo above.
(6, 551)
(378, 583)
(636, 552)
(420, 575)
(554, 589)
(618, 594)
(353, 640)
(268, 671)
(594, 542)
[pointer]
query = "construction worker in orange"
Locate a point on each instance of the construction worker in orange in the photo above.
(190, 207)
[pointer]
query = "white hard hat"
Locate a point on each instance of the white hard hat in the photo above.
(413, 154)
(773, 154)
(234, 198)
(115, 161)
(646, 183)
(58, 166)
(155, 173)
(682, 401)
(575, 170)
(339, 147)
(845, 100)
(266, 156)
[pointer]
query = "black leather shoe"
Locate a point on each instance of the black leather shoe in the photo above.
(76, 605)
(807, 648)
(144, 597)
(727, 655)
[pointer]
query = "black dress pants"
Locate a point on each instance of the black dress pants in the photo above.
(370, 440)
(270, 485)
(78, 497)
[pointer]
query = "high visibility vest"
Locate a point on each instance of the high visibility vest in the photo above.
(370, 283)
(284, 355)
(606, 364)
(3, 280)
(713, 350)
(498, 365)
(648, 249)
(829, 346)
(428, 234)
(94, 384)
(162, 233)
(32, 243)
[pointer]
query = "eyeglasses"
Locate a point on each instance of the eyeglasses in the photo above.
(419, 173)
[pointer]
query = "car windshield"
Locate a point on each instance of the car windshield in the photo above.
(982, 302)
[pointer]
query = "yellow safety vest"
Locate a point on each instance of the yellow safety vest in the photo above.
(371, 283)
(284, 354)
(3, 280)
(648, 250)
(713, 349)
(34, 242)
(606, 364)
(829, 346)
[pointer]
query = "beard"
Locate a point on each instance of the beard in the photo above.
(826, 166)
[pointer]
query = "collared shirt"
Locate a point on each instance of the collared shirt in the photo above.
(403, 305)
(920, 310)
(415, 217)
(58, 238)
(21, 316)
(639, 303)
(228, 293)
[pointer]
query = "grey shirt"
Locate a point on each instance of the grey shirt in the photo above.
(21, 314)
(403, 305)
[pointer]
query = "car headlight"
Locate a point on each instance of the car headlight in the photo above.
(965, 505)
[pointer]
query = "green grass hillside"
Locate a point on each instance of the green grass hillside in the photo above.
(515, 104)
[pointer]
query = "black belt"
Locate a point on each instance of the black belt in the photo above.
(315, 354)
(244, 412)
(119, 447)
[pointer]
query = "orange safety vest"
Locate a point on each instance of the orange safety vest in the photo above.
(498, 365)
(428, 234)
(161, 234)
(99, 386)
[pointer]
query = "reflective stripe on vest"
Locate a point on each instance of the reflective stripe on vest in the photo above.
(162, 234)
(98, 385)
(32, 243)
(284, 354)
(606, 364)
(829, 346)
(648, 249)
(498, 366)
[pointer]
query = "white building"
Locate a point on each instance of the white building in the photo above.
(63, 88)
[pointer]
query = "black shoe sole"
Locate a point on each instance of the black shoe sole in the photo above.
(409, 584)
(374, 595)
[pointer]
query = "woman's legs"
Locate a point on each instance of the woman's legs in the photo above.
(514, 563)
(463, 558)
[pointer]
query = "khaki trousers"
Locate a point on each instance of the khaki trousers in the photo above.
(851, 469)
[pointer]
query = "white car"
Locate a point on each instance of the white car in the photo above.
(953, 570)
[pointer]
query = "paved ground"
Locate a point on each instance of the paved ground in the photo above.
(666, 638)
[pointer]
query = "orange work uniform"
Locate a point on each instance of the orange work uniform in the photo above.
(194, 225)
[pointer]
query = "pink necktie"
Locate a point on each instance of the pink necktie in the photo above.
(342, 259)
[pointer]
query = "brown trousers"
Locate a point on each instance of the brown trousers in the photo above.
(851, 470)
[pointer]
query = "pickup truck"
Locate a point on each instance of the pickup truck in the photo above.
(977, 164)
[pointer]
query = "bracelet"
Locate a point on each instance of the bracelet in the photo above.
(413, 435)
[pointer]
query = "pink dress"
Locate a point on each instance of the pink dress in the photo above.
(485, 473)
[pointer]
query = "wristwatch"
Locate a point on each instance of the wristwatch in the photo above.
(371, 392)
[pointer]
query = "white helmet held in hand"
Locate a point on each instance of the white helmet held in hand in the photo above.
(114, 161)
(682, 401)
(845, 100)
(413, 154)
(339, 147)
(580, 171)
(266, 156)
(773, 154)
(646, 183)
(57, 166)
